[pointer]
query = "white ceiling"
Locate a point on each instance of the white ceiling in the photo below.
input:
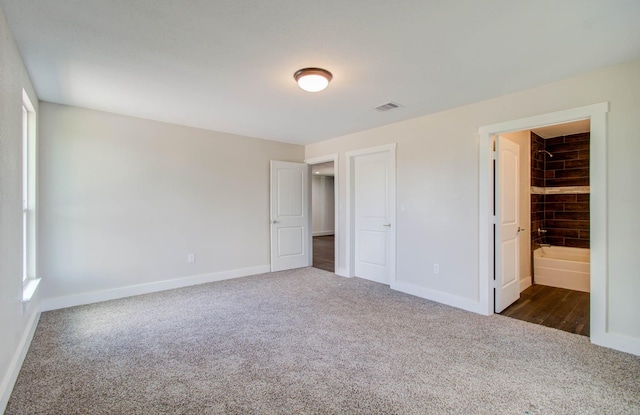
(559, 130)
(228, 65)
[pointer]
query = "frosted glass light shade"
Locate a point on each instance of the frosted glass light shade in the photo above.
(313, 79)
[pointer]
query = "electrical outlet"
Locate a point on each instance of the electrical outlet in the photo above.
(191, 258)
(436, 268)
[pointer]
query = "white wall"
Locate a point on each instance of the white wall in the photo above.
(523, 139)
(322, 205)
(16, 321)
(437, 175)
(125, 200)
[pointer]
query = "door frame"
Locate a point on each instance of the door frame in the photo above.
(597, 113)
(350, 208)
(336, 206)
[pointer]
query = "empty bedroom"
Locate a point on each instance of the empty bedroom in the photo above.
(303, 207)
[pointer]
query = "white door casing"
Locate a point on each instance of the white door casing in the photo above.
(290, 216)
(599, 303)
(374, 201)
(507, 191)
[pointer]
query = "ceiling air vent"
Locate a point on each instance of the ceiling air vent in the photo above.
(388, 106)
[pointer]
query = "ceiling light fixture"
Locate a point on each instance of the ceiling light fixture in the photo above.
(313, 79)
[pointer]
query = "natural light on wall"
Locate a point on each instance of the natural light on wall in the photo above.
(29, 280)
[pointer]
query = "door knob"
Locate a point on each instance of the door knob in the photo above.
(387, 225)
(274, 221)
(520, 229)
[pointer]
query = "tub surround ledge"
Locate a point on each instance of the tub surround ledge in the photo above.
(564, 190)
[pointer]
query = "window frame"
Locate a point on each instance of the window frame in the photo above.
(30, 280)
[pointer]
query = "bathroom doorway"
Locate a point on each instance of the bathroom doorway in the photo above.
(552, 271)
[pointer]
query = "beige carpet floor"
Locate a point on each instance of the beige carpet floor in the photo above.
(309, 342)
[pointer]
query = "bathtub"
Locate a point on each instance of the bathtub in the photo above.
(563, 267)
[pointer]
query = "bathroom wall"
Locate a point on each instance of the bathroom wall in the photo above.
(537, 181)
(563, 213)
(567, 220)
(566, 216)
(569, 165)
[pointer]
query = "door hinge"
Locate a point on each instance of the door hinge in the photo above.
(494, 155)
(493, 219)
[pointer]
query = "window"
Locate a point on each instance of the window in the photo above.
(29, 280)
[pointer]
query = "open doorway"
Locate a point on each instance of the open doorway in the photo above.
(551, 266)
(323, 215)
(599, 263)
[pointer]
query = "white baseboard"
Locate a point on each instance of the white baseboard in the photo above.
(115, 293)
(323, 233)
(617, 341)
(16, 362)
(440, 297)
(342, 272)
(525, 283)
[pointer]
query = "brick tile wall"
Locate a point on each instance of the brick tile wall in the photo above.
(537, 179)
(564, 216)
(569, 165)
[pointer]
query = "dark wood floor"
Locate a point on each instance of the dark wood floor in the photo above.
(552, 307)
(324, 253)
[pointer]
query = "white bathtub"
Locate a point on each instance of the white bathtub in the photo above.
(563, 267)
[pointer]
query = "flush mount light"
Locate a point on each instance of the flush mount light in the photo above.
(312, 79)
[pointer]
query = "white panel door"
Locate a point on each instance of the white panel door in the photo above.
(373, 216)
(290, 223)
(507, 262)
